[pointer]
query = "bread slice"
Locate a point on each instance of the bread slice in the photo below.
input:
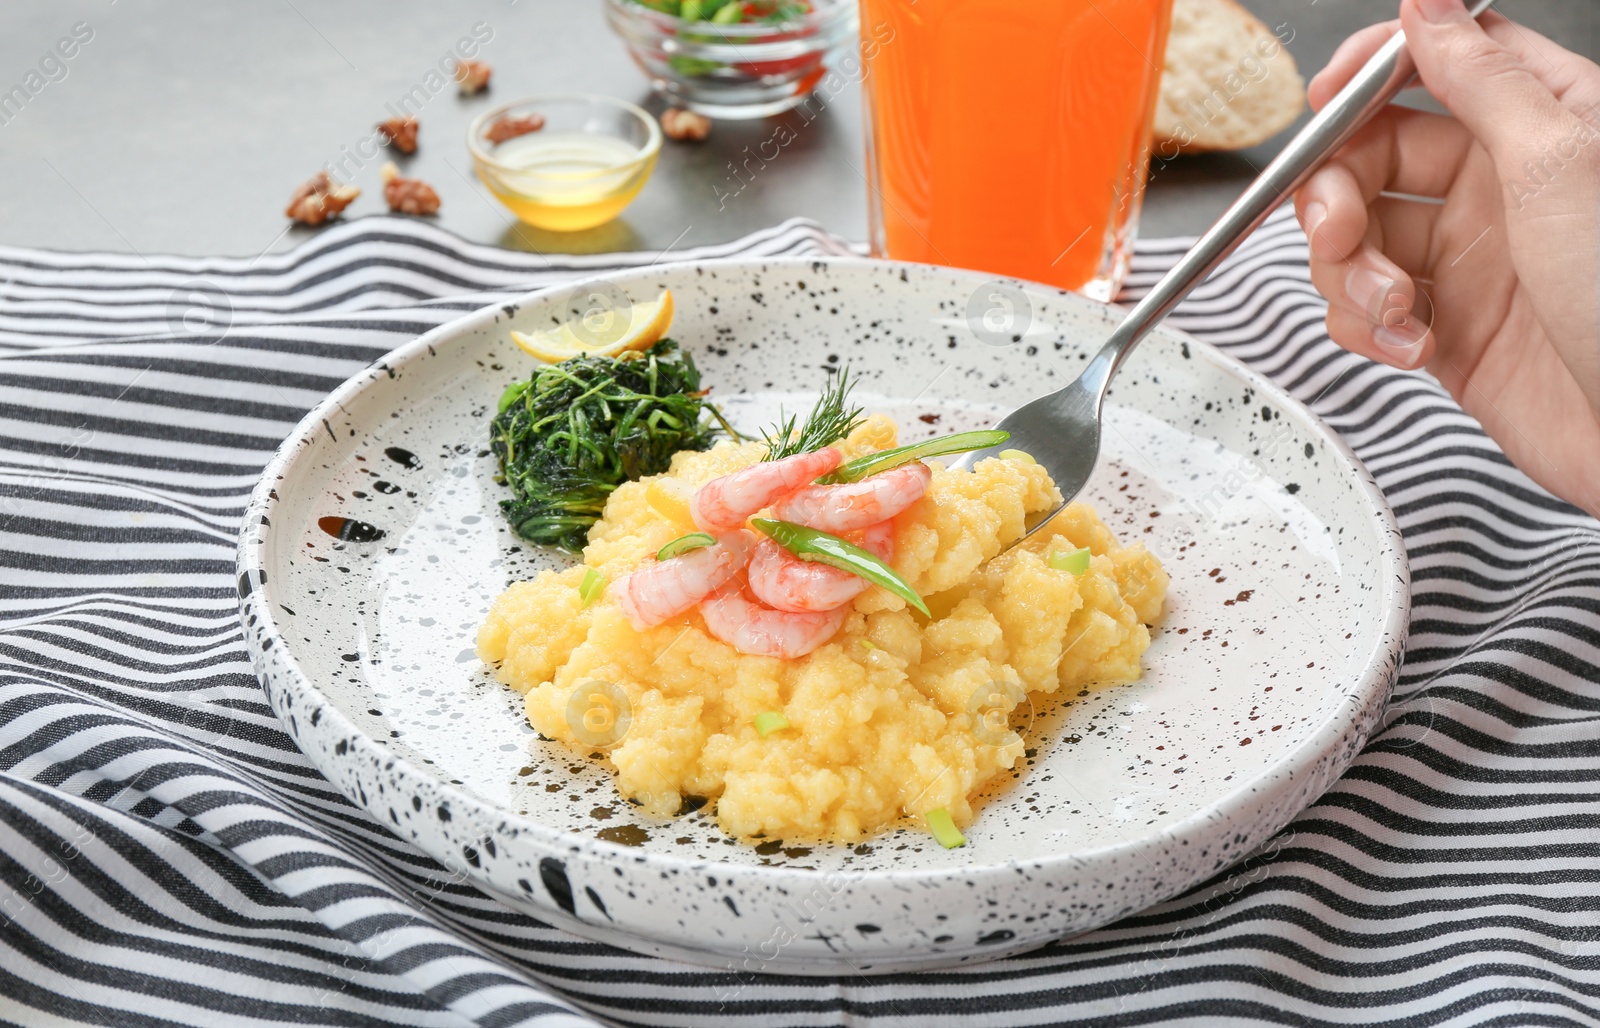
(1228, 84)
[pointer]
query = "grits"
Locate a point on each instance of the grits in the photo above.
(895, 715)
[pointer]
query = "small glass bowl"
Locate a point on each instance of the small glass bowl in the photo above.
(589, 161)
(747, 70)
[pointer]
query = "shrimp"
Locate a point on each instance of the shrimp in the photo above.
(785, 582)
(856, 505)
(662, 590)
(727, 501)
(751, 628)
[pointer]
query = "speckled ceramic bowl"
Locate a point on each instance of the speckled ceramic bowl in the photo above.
(1284, 630)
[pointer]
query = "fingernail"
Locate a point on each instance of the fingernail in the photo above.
(1441, 12)
(1398, 333)
(1368, 290)
(1402, 342)
(1316, 214)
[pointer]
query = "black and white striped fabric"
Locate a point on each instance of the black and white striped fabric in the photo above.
(158, 869)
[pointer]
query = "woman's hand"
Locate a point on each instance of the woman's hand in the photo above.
(1493, 285)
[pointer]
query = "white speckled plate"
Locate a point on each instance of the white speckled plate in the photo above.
(1284, 630)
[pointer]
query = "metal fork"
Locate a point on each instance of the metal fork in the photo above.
(1061, 430)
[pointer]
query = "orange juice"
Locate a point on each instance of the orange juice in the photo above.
(1012, 136)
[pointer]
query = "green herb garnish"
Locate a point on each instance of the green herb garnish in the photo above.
(888, 460)
(769, 721)
(1020, 456)
(731, 12)
(684, 543)
(569, 435)
(811, 544)
(589, 590)
(944, 829)
(1074, 562)
(830, 421)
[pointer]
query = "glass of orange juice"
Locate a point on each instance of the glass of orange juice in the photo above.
(1012, 136)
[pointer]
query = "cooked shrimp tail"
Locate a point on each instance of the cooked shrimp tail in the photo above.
(729, 501)
(784, 582)
(856, 505)
(661, 590)
(753, 628)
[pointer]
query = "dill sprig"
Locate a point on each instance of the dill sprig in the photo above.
(830, 420)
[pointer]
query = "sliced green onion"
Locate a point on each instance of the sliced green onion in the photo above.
(731, 14)
(811, 544)
(689, 10)
(684, 543)
(869, 644)
(512, 394)
(944, 830)
(887, 460)
(769, 721)
(1022, 456)
(1073, 561)
(593, 584)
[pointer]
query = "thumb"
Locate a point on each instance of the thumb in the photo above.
(1485, 86)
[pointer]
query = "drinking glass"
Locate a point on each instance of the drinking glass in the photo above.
(1012, 136)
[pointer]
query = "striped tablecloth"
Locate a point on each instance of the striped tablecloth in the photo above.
(152, 872)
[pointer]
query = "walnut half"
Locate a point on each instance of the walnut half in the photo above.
(508, 127)
(319, 199)
(407, 195)
(472, 76)
(685, 126)
(401, 132)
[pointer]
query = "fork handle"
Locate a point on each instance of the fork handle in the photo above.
(1389, 71)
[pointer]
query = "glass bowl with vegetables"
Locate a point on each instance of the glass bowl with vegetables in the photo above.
(735, 58)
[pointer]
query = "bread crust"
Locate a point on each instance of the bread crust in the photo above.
(1228, 83)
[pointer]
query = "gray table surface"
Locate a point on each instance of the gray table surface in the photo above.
(182, 127)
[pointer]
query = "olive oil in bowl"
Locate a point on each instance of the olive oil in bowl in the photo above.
(587, 164)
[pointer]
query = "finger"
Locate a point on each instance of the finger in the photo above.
(1352, 54)
(1347, 229)
(1332, 212)
(1378, 280)
(1568, 76)
(1482, 82)
(1406, 233)
(1533, 140)
(1402, 230)
(1368, 284)
(1401, 151)
(1575, 80)
(1356, 333)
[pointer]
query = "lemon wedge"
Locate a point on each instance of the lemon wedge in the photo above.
(601, 332)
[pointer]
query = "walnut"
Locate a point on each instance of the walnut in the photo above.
(319, 199)
(401, 132)
(685, 126)
(407, 195)
(508, 127)
(473, 76)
